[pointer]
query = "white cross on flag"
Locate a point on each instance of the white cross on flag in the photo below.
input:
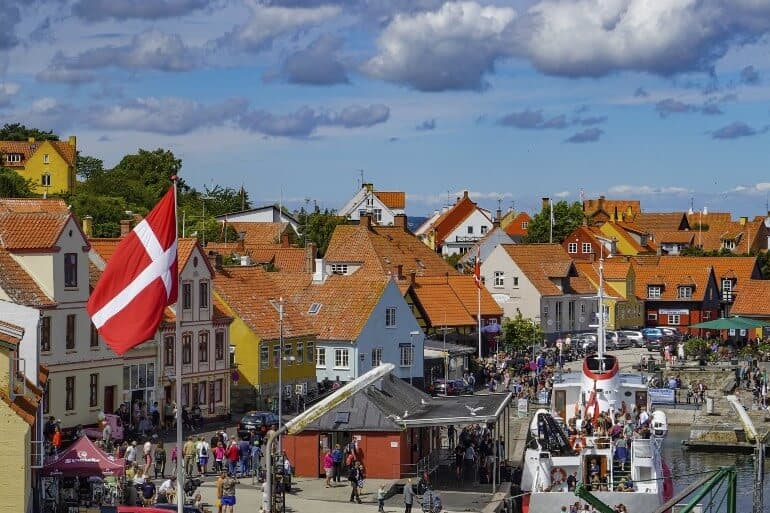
(139, 281)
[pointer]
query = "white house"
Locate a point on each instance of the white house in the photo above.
(264, 214)
(381, 205)
(456, 229)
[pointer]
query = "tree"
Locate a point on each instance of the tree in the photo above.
(19, 132)
(567, 217)
(89, 167)
(13, 185)
(317, 227)
(520, 333)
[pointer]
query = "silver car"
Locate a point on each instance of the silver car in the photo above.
(635, 338)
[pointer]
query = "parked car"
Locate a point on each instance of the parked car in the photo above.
(453, 387)
(255, 420)
(616, 340)
(652, 338)
(634, 337)
(587, 342)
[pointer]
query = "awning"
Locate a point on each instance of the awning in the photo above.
(732, 323)
(83, 459)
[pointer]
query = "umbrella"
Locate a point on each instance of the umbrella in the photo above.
(732, 323)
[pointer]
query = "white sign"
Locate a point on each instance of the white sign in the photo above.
(522, 407)
(674, 311)
(394, 445)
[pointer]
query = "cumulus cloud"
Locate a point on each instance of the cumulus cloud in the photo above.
(536, 120)
(7, 91)
(98, 10)
(450, 48)
(669, 106)
(318, 64)
(711, 107)
(268, 22)
(757, 188)
(306, 120)
(750, 75)
(597, 37)
(168, 116)
(592, 120)
(150, 49)
(586, 136)
(736, 130)
(428, 124)
(646, 190)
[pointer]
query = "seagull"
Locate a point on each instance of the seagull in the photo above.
(473, 411)
(394, 417)
(406, 413)
(423, 402)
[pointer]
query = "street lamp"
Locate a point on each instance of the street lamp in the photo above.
(278, 305)
(412, 334)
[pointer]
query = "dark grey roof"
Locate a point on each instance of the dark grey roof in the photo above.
(464, 409)
(438, 345)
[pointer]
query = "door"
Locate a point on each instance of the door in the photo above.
(560, 403)
(109, 399)
(641, 400)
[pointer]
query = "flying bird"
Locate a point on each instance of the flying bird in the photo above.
(423, 402)
(473, 411)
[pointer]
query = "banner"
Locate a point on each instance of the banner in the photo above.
(662, 395)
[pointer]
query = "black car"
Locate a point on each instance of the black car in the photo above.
(255, 420)
(456, 387)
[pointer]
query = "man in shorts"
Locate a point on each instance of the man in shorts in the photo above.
(228, 495)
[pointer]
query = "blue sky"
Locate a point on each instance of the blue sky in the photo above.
(661, 101)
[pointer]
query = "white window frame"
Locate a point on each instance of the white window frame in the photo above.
(684, 292)
(727, 289)
(499, 279)
(377, 215)
(390, 317)
(406, 358)
(45, 179)
(707, 315)
(13, 158)
(320, 357)
(654, 291)
(46, 158)
(339, 268)
(587, 248)
(674, 320)
(525, 224)
(300, 354)
(572, 248)
(376, 356)
(651, 316)
(728, 244)
(341, 358)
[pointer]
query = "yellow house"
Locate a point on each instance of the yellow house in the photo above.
(51, 166)
(18, 415)
(621, 306)
(629, 240)
(252, 299)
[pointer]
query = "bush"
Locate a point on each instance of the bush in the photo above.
(696, 347)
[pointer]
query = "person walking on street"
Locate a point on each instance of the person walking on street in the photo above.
(188, 452)
(220, 480)
(228, 494)
(204, 450)
(328, 463)
(381, 499)
(232, 458)
(160, 460)
(56, 440)
(337, 460)
(356, 478)
(408, 496)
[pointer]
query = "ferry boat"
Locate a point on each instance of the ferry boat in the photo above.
(552, 455)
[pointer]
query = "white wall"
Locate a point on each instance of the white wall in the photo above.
(477, 220)
(27, 318)
(525, 297)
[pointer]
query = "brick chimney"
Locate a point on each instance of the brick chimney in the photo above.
(88, 226)
(398, 272)
(310, 256)
(546, 203)
(412, 277)
(400, 221)
(285, 240)
(366, 221)
(125, 227)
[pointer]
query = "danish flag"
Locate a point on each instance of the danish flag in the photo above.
(139, 281)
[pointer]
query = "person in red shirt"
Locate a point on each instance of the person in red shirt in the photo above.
(232, 457)
(56, 441)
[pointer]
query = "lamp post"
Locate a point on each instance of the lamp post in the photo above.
(278, 305)
(412, 334)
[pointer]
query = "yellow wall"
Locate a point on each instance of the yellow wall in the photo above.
(15, 474)
(623, 246)
(62, 174)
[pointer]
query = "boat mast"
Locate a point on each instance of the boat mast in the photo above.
(600, 328)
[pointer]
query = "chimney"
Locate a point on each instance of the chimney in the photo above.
(30, 140)
(285, 240)
(399, 220)
(366, 221)
(465, 193)
(398, 272)
(215, 259)
(310, 256)
(744, 220)
(72, 141)
(546, 202)
(412, 277)
(88, 226)
(125, 227)
(369, 187)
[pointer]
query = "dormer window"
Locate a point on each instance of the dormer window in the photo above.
(653, 291)
(339, 268)
(13, 158)
(728, 244)
(314, 308)
(684, 292)
(46, 159)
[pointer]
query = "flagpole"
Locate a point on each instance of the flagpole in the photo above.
(180, 478)
(478, 298)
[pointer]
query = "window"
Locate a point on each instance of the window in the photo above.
(341, 358)
(203, 295)
(70, 270)
(186, 348)
(674, 319)
(653, 291)
(309, 352)
(587, 247)
(47, 397)
(168, 351)
(727, 290)
(185, 394)
(572, 247)
(46, 159)
(377, 215)
(287, 356)
(186, 296)
(728, 244)
(390, 317)
(13, 158)
(45, 180)
(70, 337)
(300, 353)
(320, 357)
(499, 279)
(557, 313)
(483, 230)
(470, 230)
(69, 391)
(545, 310)
(652, 317)
(582, 308)
(525, 224)
(219, 345)
(94, 336)
(684, 293)
(93, 390)
(218, 386)
(707, 315)
(314, 308)
(264, 357)
(203, 346)
(571, 314)
(276, 356)
(339, 268)
(45, 334)
(515, 282)
(376, 356)
(407, 355)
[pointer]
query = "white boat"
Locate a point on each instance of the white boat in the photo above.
(552, 456)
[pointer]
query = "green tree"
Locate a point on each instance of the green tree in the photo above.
(19, 132)
(317, 227)
(13, 185)
(89, 167)
(567, 217)
(520, 333)
(107, 211)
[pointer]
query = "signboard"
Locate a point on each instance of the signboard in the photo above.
(661, 395)
(394, 445)
(522, 407)
(674, 311)
(542, 396)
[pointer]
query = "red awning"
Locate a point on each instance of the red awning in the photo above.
(83, 459)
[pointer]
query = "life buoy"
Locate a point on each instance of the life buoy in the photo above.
(579, 443)
(558, 475)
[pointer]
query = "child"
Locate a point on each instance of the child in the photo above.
(381, 499)
(174, 456)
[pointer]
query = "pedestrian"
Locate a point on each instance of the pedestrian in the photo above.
(160, 460)
(218, 485)
(408, 496)
(381, 499)
(203, 455)
(131, 453)
(56, 440)
(219, 457)
(228, 495)
(356, 478)
(232, 458)
(244, 449)
(337, 459)
(174, 457)
(256, 457)
(147, 457)
(148, 492)
(189, 454)
(328, 464)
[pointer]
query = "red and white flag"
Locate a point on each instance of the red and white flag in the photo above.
(477, 269)
(139, 281)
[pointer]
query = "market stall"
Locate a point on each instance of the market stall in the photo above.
(81, 476)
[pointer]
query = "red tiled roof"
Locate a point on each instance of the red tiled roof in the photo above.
(25, 231)
(452, 217)
(29, 205)
(19, 285)
(455, 295)
(284, 259)
(260, 233)
(671, 272)
(589, 271)
(752, 299)
(651, 222)
(9, 338)
(392, 200)
(516, 227)
(611, 207)
(27, 149)
(540, 262)
(675, 237)
(105, 248)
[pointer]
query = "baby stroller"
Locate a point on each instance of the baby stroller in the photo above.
(431, 502)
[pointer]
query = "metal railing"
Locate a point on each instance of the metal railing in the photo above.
(37, 452)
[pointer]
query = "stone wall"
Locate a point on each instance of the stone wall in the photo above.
(714, 377)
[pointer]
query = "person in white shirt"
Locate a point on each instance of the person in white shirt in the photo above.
(643, 417)
(131, 453)
(167, 489)
(203, 450)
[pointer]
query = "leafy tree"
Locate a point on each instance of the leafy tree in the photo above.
(453, 260)
(19, 132)
(89, 167)
(107, 211)
(567, 217)
(520, 333)
(317, 227)
(13, 185)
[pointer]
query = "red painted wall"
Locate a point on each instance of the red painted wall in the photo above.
(303, 451)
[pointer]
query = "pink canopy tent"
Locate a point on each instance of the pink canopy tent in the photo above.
(83, 459)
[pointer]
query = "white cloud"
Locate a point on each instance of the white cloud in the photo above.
(646, 190)
(562, 194)
(8, 90)
(757, 188)
(442, 198)
(450, 48)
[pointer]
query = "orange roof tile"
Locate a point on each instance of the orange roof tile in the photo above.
(25, 231)
(284, 259)
(105, 248)
(540, 262)
(616, 208)
(516, 228)
(8, 336)
(452, 217)
(742, 269)
(589, 271)
(19, 285)
(27, 149)
(458, 295)
(629, 239)
(260, 233)
(30, 205)
(752, 299)
(671, 272)
(675, 237)
(392, 200)
(654, 221)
